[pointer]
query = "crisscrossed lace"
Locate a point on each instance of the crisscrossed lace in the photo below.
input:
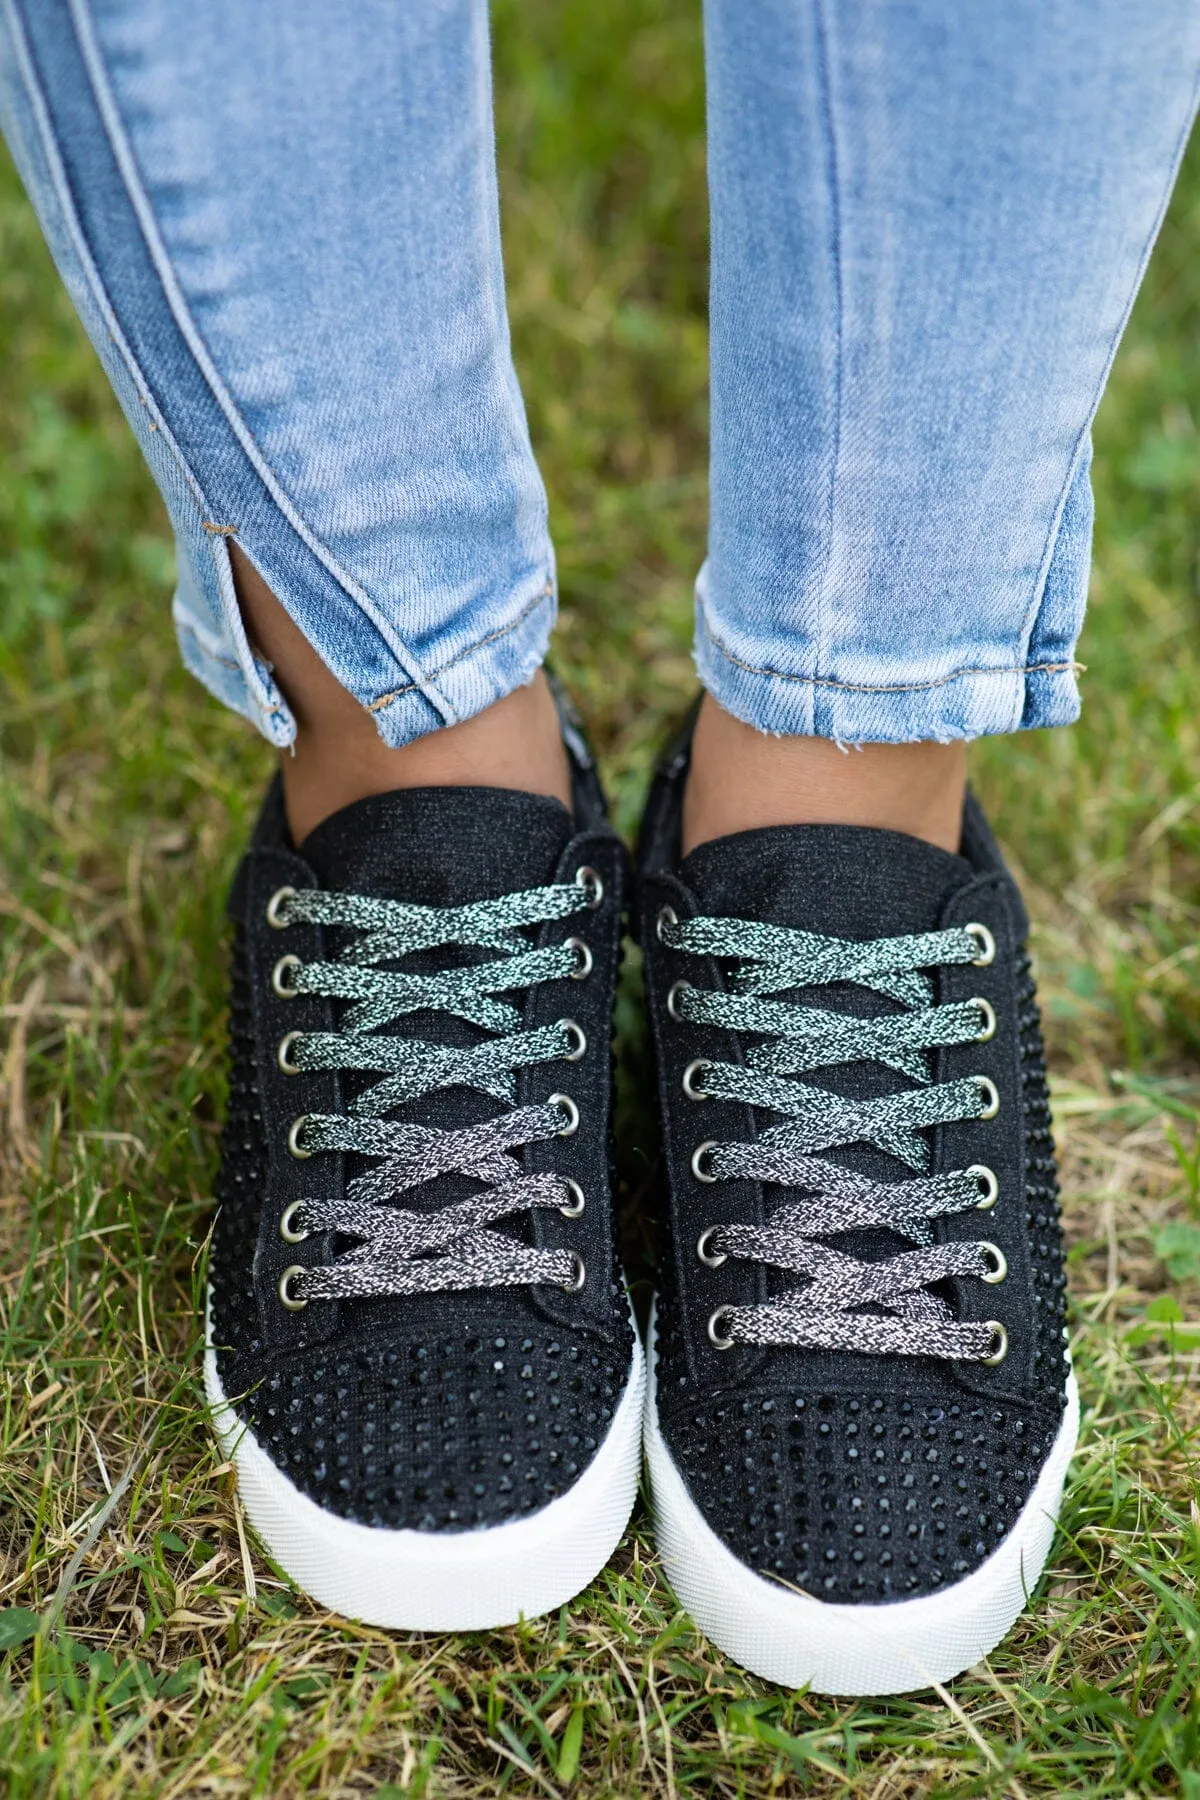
(397, 1250)
(843, 1302)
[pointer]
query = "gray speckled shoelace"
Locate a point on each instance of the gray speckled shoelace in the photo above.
(397, 1250)
(844, 1303)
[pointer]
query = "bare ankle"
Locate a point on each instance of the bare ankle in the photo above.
(741, 779)
(339, 757)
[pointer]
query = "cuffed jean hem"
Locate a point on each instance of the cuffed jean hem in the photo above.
(917, 705)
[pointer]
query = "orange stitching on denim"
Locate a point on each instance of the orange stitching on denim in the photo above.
(479, 644)
(899, 687)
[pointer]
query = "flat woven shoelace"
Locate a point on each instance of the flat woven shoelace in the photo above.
(398, 1250)
(843, 1303)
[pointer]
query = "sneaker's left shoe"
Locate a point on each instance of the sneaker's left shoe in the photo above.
(860, 1409)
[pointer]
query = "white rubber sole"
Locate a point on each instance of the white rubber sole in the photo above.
(897, 1648)
(441, 1581)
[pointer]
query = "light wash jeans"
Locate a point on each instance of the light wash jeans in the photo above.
(279, 223)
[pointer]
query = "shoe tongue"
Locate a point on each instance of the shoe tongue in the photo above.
(440, 846)
(850, 881)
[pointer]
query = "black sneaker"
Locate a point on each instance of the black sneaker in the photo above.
(860, 1408)
(421, 1356)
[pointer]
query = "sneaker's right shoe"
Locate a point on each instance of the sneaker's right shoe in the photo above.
(860, 1407)
(421, 1355)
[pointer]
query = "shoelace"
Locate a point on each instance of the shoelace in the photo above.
(830, 1310)
(398, 1250)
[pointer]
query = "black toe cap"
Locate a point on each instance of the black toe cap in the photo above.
(860, 1498)
(433, 1436)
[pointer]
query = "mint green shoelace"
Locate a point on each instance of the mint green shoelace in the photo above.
(398, 1249)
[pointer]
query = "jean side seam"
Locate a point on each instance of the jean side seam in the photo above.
(1029, 623)
(539, 599)
(825, 78)
(156, 420)
(33, 89)
(173, 294)
(966, 672)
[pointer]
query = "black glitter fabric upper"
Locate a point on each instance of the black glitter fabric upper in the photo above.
(436, 1412)
(855, 1477)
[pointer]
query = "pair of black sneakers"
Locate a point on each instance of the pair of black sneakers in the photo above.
(856, 1402)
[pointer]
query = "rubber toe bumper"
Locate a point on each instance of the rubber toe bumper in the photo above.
(442, 1581)
(897, 1648)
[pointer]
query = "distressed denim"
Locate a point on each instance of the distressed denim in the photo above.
(279, 224)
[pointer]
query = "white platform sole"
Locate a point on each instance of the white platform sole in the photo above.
(442, 1581)
(897, 1648)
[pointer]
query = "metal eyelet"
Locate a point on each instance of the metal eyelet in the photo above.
(693, 1092)
(719, 1343)
(991, 1187)
(293, 1139)
(578, 1274)
(666, 916)
(293, 1302)
(577, 1200)
(578, 1037)
(986, 942)
(287, 1227)
(282, 1055)
(987, 1013)
(998, 1260)
(989, 1088)
(707, 1257)
(699, 1154)
(283, 967)
(678, 988)
(999, 1348)
(586, 961)
(570, 1111)
(592, 886)
(273, 905)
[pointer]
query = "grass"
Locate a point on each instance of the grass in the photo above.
(146, 1645)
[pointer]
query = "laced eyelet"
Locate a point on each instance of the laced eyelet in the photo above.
(999, 1348)
(293, 1302)
(710, 1259)
(987, 1014)
(991, 1095)
(998, 1261)
(578, 1037)
(986, 942)
(988, 1183)
(592, 886)
(689, 1077)
(577, 1200)
(293, 1139)
(274, 906)
(718, 1342)
(578, 1274)
(699, 1160)
(677, 988)
(570, 1112)
(283, 1055)
(666, 916)
(585, 961)
(287, 1224)
(285, 966)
